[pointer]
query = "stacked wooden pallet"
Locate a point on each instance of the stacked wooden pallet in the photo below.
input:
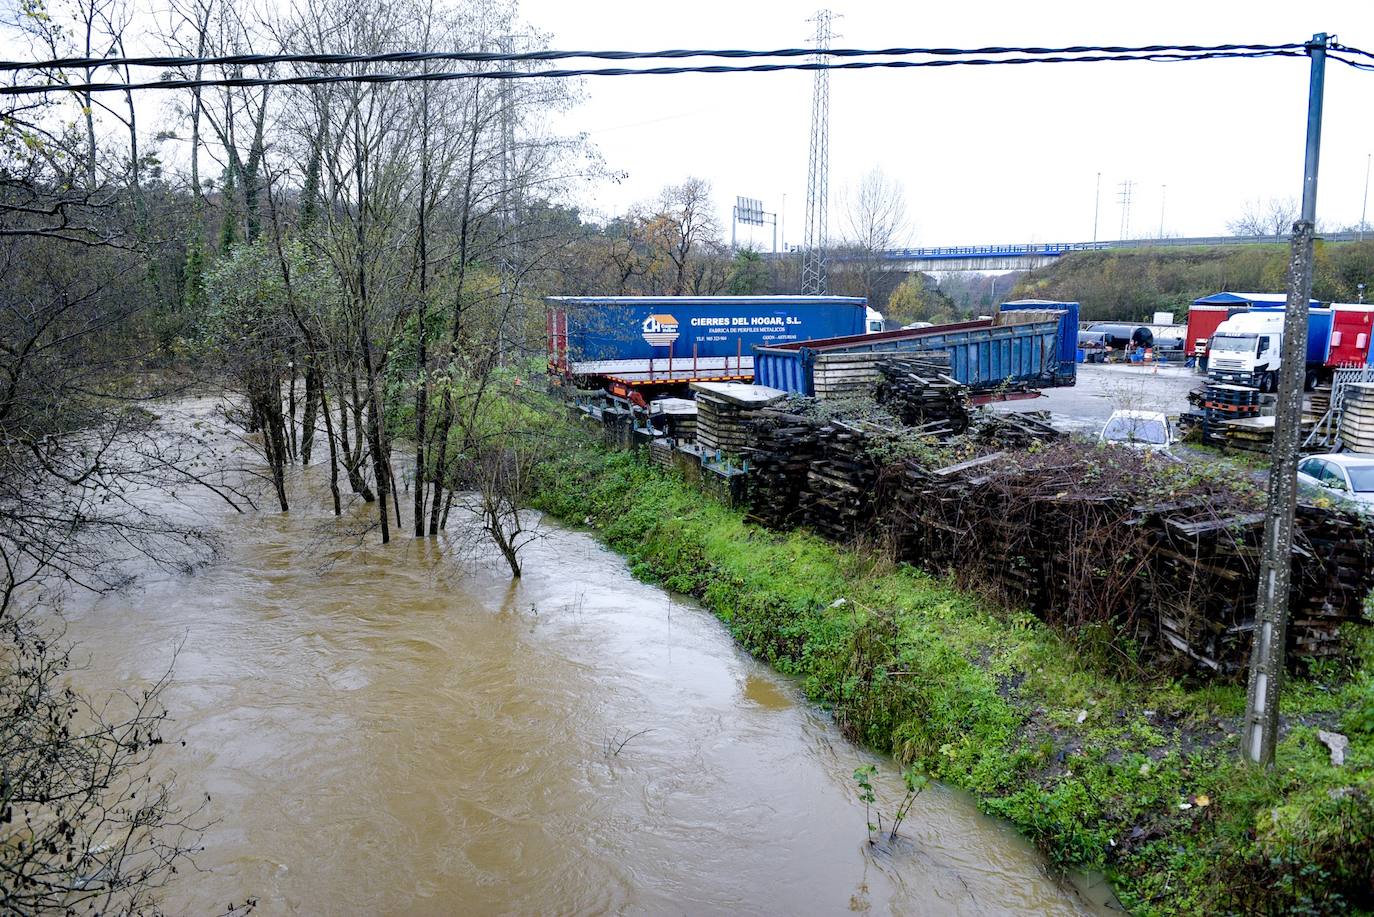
(845, 375)
(1357, 417)
(840, 483)
(1330, 587)
(780, 453)
(1179, 577)
(1224, 403)
(724, 411)
(678, 417)
(919, 391)
(1317, 404)
(1202, 584)
(1015, 430)
(661, 453)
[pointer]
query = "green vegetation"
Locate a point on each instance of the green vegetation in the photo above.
(1140, 780)
(1129, 285)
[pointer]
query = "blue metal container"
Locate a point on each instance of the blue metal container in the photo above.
(1068, 331)
(608, 329)
(981, 355)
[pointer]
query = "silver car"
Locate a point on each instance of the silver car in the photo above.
(1346, 476)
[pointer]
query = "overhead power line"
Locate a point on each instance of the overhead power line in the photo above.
(489, 56)
(946, 58)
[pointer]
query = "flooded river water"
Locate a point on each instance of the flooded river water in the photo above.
(407, 732)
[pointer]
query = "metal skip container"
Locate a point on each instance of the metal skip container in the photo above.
(982, 355)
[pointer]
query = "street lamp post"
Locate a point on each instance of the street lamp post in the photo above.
(1364, 208)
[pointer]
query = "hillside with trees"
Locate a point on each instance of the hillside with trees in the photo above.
(1129, 285)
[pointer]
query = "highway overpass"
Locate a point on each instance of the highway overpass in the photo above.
(1021, 257)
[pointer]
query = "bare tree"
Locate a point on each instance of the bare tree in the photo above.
(677, 231)
(1274, 218)
(876, 221)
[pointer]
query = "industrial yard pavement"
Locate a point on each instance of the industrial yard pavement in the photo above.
(1104, 388)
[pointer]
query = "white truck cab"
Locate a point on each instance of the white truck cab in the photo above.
(1246, 350)
(873, 322)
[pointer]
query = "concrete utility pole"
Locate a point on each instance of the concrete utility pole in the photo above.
(1276, 560)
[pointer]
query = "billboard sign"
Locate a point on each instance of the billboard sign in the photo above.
(749, 210)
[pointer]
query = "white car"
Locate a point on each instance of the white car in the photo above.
(1148, 431)
(1348, 477)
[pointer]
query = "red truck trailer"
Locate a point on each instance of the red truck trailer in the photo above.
(1203, 320)
(1350, 334)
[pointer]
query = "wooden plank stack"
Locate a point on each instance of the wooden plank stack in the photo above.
(919, 390)
(1357, 417)
(845, 375)
(1317, 404)
(661, 452)
(1331, 578)
(1015, 430)
(1060, 530)
(679, 418)
(840, 483)
(724, 410)
(1179, 576)
(780, 453)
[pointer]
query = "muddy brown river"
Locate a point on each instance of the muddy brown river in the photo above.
(406, 731)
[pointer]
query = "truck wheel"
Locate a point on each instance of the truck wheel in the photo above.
(1266, 382)
(1309, 382)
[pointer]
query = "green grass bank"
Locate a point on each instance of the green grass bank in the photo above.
(1140, 780)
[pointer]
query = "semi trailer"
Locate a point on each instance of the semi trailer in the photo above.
(655, 343)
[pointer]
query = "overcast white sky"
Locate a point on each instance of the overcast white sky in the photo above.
(990, 154)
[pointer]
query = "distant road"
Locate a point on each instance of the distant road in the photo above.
(1038, 254)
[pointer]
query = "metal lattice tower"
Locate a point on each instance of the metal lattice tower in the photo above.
(1124, 196)
(813, 279)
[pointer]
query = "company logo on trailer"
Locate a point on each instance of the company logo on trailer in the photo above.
(660, 330)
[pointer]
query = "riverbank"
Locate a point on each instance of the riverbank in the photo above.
(1136, 778)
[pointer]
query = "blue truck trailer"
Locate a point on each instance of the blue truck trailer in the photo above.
(983, 354)
(636, 342)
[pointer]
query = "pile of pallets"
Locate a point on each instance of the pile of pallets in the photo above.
(1329, 588)
(840, 482)
(661, 452)
(1178, 577)
(724, 411)
(781, 448)
(1224, 403)
(677, 417)
(1014, 430)
(845, 375)
(920, 392)
(1357, 417)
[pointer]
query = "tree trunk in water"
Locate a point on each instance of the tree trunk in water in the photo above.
(291, 408)
(268, 407)
(440, 461)
(374, 437)
(498, 535)
(310, 412)
(333, 453)
(351, 447)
